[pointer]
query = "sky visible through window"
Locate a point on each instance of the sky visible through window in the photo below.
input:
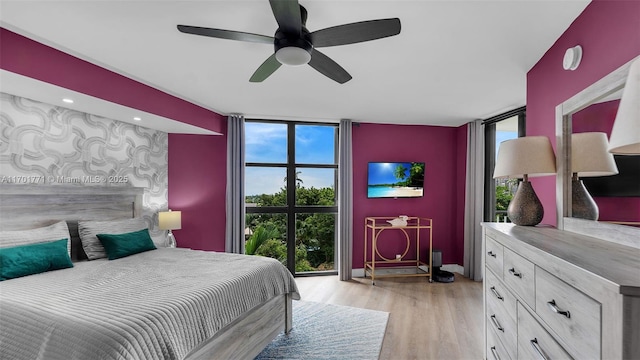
(502, 136)
(506, 130)
(267, 143)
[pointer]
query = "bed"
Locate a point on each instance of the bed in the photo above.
(160, 304)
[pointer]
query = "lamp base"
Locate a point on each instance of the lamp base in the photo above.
(525, 208)
(582, 204)
(171, 240)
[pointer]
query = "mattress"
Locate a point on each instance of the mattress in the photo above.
(159, 304)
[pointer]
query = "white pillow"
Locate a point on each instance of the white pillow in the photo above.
(53, 232)
(89, 229)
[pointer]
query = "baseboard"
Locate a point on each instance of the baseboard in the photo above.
(359, 273)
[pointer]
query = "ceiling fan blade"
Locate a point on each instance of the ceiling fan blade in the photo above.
(355, 32)
(226, 34)
(287, 14)
(328, 67)
(265, 70)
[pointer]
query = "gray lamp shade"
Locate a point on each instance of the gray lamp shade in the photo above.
(529, 155)
(625, 135)
(589, 155)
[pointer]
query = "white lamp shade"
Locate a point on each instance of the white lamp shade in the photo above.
(625, 135)
(530, 155)
(589, 155)
(170, 220)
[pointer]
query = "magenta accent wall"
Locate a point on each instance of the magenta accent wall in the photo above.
(27, 57)
(609, 33)
(596, 118)
(443, 150)
(600, 118)
(197, 186)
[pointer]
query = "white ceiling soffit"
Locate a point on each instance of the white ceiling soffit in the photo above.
(453, 62)
(26, 87)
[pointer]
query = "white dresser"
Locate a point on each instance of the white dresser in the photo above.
(552, 294)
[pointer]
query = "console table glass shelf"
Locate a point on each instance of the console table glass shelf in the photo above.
(376, 265)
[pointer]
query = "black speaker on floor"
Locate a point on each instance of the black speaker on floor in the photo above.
(440, 275)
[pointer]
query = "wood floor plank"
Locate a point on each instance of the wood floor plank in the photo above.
(426, 321)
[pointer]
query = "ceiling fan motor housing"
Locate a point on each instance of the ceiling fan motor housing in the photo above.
(293, 50)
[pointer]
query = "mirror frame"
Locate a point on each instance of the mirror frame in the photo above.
(609, 84)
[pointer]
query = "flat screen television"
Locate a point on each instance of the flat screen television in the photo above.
(395, 180)
(625, 184)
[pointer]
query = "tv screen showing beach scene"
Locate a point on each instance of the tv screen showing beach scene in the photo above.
(395, 179)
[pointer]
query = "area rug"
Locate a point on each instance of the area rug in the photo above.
(325, 331)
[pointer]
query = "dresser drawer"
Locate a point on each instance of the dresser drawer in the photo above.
(497, 293)
(493, 255)
(534, 342)
(518, 274)
(495, 350)
(504, 325)
(573, 315)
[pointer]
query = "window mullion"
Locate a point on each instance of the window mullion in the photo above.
(291, 197)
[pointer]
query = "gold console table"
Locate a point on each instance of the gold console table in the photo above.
(378, 266)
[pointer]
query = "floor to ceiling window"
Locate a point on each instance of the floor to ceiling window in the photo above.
(498, 192)
(290, 186)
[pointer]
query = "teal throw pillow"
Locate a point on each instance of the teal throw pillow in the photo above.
(23, 260)
(120, 245)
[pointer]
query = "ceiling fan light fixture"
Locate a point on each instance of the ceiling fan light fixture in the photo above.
(293, 55)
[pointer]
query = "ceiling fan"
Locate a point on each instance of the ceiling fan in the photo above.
(295, 45)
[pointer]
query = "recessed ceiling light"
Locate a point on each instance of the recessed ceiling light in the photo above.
(68, 101)
(137, 118)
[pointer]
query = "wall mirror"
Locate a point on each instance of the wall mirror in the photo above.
(604, 91)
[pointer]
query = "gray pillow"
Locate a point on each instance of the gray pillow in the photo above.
(53, 232)
(89, 229)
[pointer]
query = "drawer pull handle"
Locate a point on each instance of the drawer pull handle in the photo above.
(513, 271)
(495, 353)
(492, 254)
(556, 309)
(496, 293)
(537, 348)
(496, 323)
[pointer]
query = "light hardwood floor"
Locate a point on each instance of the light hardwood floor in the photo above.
(426, 321)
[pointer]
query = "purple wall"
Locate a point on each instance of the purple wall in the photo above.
(197, 185)
(609, 33)
(443, 150)
(27, 57)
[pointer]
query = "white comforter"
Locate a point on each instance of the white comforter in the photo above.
(155, 305)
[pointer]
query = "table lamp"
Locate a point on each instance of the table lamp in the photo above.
(625, 135)
(589, 158)
(521, 158)
(170, 220)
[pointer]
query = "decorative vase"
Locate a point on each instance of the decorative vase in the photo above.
(582, 204)
(525, 208)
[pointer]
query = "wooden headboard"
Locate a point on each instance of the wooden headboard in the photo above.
(31, 206)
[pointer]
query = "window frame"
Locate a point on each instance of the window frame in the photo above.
(292, 209)
(490, 155)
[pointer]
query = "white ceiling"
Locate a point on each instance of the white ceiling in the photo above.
(453, 62)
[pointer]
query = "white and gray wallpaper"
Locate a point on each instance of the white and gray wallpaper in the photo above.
(52, 144)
